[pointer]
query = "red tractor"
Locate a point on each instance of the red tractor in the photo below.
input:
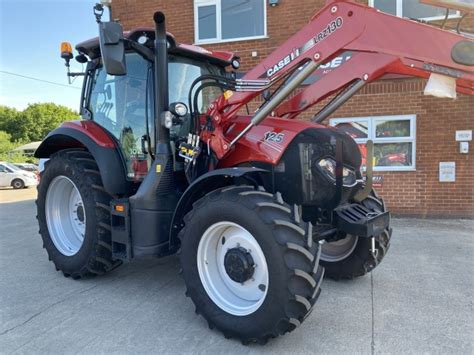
(258, 205)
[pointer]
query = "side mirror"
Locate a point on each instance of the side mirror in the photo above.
(112, 48)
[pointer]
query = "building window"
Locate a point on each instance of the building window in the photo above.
(229, 20)
(412, 9)
(394, 139)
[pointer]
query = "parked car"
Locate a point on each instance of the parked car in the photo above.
(28, 167)
(11, 175)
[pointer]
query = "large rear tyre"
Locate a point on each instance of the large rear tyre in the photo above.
(249, 263)
(74, 215)
(352, 256)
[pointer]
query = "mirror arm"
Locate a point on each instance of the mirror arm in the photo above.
(75, 74)
(145, 52)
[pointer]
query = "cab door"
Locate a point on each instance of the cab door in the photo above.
(120, 105)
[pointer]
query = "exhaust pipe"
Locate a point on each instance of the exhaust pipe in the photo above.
(162, 134)
(153, 205)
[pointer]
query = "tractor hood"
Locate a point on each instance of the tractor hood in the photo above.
(267, 142)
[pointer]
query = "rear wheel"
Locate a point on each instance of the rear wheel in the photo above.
(249, 263)
(18, 184)
(74, 216)
(352, 256)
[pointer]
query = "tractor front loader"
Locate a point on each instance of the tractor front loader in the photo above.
(257, 205)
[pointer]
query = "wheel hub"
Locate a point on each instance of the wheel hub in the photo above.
(80, 213)
(65, 215)
(232, 268)
(239, 264)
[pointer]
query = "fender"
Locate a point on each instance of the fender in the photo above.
(204, 184)
(89, 135)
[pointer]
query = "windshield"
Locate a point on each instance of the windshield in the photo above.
(12, 167)
(182, 72)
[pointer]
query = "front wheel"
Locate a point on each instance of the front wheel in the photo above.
(354, 256)
(249, 263)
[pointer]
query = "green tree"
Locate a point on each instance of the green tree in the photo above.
(8, 116)
(37, 120)
(6, 147)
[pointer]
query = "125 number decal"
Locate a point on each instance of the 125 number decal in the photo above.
(274, 137)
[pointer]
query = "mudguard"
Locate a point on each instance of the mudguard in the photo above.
(89, 135)
(204, 184)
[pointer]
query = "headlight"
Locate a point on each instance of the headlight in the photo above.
(328, 167)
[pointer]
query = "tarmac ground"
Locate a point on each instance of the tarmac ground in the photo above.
(419, 300)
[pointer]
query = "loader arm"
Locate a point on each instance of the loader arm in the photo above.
(380, 44)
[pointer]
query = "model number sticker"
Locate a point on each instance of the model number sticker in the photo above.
(330, 28)
(274, 137)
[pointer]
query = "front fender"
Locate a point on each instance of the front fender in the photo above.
(205, 184)
(89, 135)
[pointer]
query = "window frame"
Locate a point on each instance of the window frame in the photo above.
(399, 12)
(371, 132)
(218, 39)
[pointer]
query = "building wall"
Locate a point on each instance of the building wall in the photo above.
(409, 193)
(419, 193)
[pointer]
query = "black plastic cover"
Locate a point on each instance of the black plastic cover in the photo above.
(463, 53)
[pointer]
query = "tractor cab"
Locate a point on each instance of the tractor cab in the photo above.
(124, 104)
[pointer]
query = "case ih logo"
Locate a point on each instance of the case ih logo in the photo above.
(284, 62)
(332, 27)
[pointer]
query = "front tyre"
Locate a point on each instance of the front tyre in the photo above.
(249, 263)
(74, 216)
(352, 256)
(18, 184)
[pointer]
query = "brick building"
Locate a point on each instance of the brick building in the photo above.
(413, 133)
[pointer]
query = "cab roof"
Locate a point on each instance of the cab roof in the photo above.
(91, 47)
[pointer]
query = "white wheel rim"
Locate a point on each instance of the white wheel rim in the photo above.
(65, 215)
(239, 299)
(338, 250)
